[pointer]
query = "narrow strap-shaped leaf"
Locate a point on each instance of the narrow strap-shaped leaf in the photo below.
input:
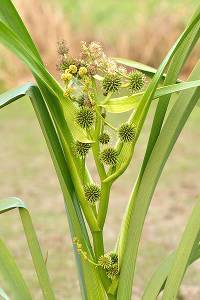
(9, 15)
(126, 103)
(158, 280)
(13, 95)
(183, 254)
(75, 218)
(139, 116)
(174, 69)
(34, 247)
(12, 275)
(16, 45)
(173, 126)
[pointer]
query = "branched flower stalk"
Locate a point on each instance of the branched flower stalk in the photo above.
(74, 118)
(80, 77)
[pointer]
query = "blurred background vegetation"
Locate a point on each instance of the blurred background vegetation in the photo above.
(140, 30)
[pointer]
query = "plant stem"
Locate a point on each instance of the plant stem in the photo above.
(96, 148)
(99, 250)
(111, 297)
(103, 206)
(98, 243)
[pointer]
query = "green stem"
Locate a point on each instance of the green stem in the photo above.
(99, 250)
(96, 148)
(103, 205)
(111, 297)
(98, 243)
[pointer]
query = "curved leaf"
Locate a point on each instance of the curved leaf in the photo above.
(183, 254)
(158, 280)
(126, 103)
(38, 260)
(12, 275)
(136, 214)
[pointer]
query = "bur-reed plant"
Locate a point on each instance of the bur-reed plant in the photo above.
(73, 118)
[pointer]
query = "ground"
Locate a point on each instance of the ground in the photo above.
(27, 172)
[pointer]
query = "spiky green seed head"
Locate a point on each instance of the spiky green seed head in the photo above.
(92, 193)
(114, 257)
(81, 149)
(105, 262)
(104, 138)
(136, 81)
(109, 156)
(73, 69)
(111, 83)
(85, 117)
(127, 132)
(113, 271)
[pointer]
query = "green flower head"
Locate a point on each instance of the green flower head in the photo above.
(105, 262)
(81, 149)
(113, 271)
(85, 117)
(127, 132)
(111, 83)
(136, 81)
(104, 138)
(92, 193)
(109, 156)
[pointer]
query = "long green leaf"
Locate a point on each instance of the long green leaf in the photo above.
(13, 95)
(76, 221)
(157, 282)
(126, 103)
(11, 18)
(174, 69)
(139, 117)
(12, 275)
(183, 254)
(38, 260)
(174, 124)
(17, 45)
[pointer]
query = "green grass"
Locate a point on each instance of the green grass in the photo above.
(27, 172)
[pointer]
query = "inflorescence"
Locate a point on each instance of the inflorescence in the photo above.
(127, 132)
(79, 76)
(81, 149)
(109, 156)
(109, 262)
(92, 193)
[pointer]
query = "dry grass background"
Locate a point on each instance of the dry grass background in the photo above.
(144, 41)
(26, 170)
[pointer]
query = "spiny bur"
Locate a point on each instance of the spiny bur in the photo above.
(136, 81)
(111, 83)
(92, 193)
(85, 117)
(81, 149)
(127, 132)
(104, 138)
(109, 156)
